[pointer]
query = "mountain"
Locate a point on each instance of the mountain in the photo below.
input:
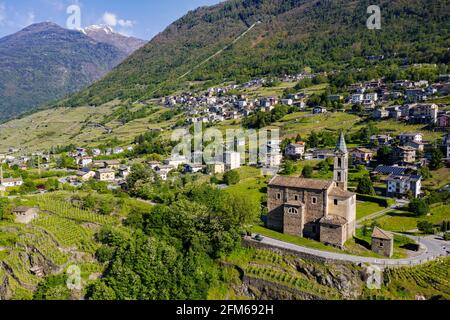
(44, 62)
(325, 35)
(106, 34)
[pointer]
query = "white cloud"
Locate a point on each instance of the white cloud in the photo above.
(2, 13)
(112, 20)
(30, 18)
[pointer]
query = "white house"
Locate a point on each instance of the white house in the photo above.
(295, 150)
(398, 186)
(357, 98)
(232, 160)
(11, 182)
(410, 136)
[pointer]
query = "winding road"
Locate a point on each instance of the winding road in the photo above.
(431, 248)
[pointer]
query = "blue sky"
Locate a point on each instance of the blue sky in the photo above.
(140, 18)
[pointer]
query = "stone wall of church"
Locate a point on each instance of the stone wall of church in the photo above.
(384, 247)
(293, 222)
(275, 209)
(333, 235)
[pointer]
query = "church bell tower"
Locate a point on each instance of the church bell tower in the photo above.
(341, 163)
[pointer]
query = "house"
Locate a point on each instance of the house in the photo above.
(381, 139)
(398, 186)
(124, 171)
(416, 95)
(424, 113)
(287, 102)
(25, 215)
(380, 113)
(371, 97)
(192, 168)
(335, 97)
(317, 209)
(154, 164)
(388, 170)
(84, 161)
(418, 146)
(319, 110)
(357, 98)
(11, 182)
(86, 175)
(405, 154)
(382, 242)
(232, 160)
(105, 174)
(362, 155)
(410, 136)
(165, 168)
(295, 150)
(443, 121)
(322, 154)
(112, 164)
(216, 168)
(176, 161)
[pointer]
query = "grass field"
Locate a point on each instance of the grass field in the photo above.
(402, 221)
(364, 209)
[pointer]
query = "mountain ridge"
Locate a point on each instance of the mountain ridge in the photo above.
(294, 34)
(43, 62)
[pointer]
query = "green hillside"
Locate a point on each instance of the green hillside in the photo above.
(292, 35)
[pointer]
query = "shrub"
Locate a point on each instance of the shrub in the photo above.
(231, 177)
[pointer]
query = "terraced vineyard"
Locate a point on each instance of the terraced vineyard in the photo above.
(68, 233)
(64, 209)
(280, 269)
(431, 280)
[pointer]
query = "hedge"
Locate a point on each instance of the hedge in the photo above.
(381, 201)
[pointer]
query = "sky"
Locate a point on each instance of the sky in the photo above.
(140, 18)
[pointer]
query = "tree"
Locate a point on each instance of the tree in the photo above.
(425, 226)
(425, 173)
(307, 172)
(365, 186)
(436, 159)
(419, 207)
(288, 167)
(324, 167)
(231, 177)
(384, 155)
(3, 205)
(313, 140)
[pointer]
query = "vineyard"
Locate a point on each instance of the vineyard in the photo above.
(64, 209)
(429, 280)
(282, 269)
(68, 233)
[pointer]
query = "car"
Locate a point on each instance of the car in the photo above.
(259, 238)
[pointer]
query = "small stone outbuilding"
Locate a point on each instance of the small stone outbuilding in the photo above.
(382, 242)
(25, 214)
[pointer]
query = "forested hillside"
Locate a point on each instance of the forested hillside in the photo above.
(324, 35)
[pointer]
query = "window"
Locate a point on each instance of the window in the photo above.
(339, 176)
(314, 200)
(278, 196)
(381, 244)
(296, 197)
(292, 211)
(336, 202)
(339, 162)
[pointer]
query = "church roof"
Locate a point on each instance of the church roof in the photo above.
(381, 234)
(341, 145)
(334, 220)
(341, 193)
(297, 182)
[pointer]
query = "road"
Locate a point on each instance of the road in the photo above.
(431, 248)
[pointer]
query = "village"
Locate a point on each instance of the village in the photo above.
(394, 166)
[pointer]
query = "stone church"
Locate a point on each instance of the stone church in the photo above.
(316, 209)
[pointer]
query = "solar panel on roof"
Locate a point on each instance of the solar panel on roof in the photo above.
(390, 170)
